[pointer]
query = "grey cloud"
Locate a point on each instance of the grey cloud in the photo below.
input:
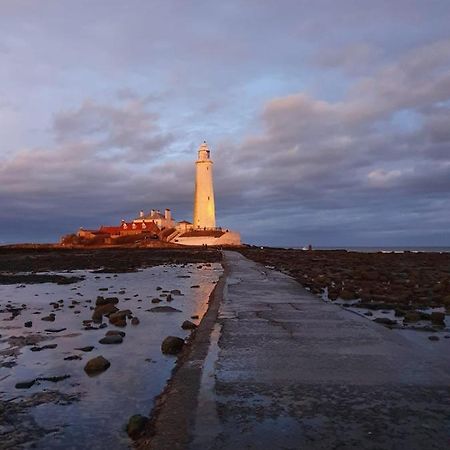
(128, 127)
(299, 103)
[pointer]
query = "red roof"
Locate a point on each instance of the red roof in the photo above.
(148, 227)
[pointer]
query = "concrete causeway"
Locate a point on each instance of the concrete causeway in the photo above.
(286, 370)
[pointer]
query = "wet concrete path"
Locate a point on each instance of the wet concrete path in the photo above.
(292, 372)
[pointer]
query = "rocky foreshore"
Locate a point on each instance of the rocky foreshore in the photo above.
(42, 259)
(412, 284)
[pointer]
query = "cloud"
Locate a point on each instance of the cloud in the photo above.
(328, 123)
(128, 128)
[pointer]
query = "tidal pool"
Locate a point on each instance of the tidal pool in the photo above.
(100, 406)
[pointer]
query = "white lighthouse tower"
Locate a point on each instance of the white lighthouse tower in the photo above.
(204, 209)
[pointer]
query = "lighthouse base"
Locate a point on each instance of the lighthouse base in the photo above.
(214, 238)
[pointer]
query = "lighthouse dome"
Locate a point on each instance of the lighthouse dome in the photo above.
(203, 152)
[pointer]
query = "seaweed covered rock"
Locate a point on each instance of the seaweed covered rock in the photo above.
(172, 345)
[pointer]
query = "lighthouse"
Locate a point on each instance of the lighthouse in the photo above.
(204, 209)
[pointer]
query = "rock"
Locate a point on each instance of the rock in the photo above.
(188, 325)
(86, 349)
(53, 379)
(116, 333)
(438, 318)
(103, 310)
(119, 318)
(172, 345)
(156, 300)
(136, 425)
(385, 321)
(176, 292)
(368, 313)
(25, 384)
(116, 339)
(119, 322)
(169, 298)
(194, 316)
(159, 288)
(102, 301)
(195, 286)
(55, 330)
(96, 365)
(135, 321)
(433, 338)
(28, 324)
(72, 358)
(44, 347)
(49, 318)
(164, 309)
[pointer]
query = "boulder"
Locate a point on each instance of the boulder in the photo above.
(119, 318)
(136, 425)
(49, 318)
(164, 309)
(101, 301)
(25, 384)
(44, 347)
(103, 310)
(96, 365)
(116, 333)
(86, 349)
(115, 339)
(72, 358)
(172, 345)
(188, 325)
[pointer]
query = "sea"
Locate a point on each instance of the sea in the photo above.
(383, 249)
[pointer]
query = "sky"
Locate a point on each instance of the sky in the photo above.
(328, 121)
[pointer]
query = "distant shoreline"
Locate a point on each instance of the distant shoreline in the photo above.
(159, 245)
